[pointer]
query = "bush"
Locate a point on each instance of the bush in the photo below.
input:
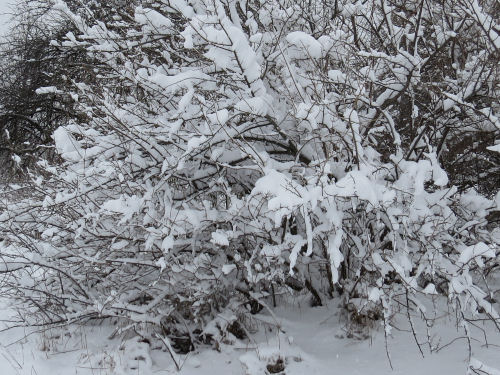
(232, 153)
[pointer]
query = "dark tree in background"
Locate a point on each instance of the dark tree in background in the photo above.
(34, 76)
(29, 62)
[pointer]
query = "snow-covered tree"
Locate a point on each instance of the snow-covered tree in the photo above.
(234, 151)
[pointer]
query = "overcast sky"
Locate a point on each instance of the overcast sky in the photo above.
(4, 14)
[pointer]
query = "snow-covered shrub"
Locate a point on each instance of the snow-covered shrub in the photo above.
(238, 150)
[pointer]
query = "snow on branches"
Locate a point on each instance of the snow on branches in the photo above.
(231, 151)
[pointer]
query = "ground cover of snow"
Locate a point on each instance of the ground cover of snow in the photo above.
(308, 341)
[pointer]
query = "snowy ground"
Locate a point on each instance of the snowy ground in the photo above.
(309, 343)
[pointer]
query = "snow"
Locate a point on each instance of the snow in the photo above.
(153, 18)
(257, 106)
(430, 289)
(167, 243)
(228, 268)
(337, 76)
(476, 252)
(495, 148)
(173, 83)
(246, 56)
(183, 7)
(300, 39)
(309, 341)
(219, 238)
(46, 90)
(375, 294)
(219, 117)
(67, 145)
(336, 257)
(256, 154)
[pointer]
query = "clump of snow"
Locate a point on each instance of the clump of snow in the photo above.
(476, 252)
(257, 106)
(495, 148)
(220, 238)
(304, 41)
(67, 145)
(47, 90)
(153, 18)
(219, 117)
